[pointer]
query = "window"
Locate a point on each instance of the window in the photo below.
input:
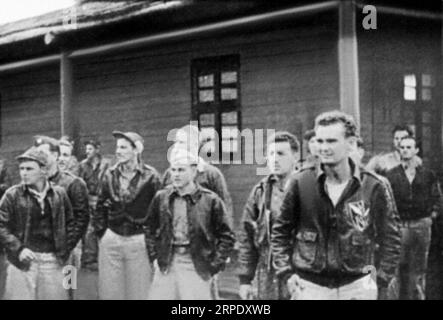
(216, 104)
(427, 82)
(410, 91)
(412, 87)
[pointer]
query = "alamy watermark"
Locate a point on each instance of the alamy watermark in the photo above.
(252, 150)
(70, 277)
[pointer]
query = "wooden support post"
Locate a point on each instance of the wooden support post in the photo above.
(67, 112)
(348, 60)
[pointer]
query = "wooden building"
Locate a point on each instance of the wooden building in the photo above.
(151, 67)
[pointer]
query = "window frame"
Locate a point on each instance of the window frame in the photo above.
(216, 65)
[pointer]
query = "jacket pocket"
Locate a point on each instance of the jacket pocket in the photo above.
(355, 252)
(305, 248)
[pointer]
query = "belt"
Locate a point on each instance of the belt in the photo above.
(182, 249)
(329, 280)
(126, 229)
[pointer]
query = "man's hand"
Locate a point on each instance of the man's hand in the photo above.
(26, 255)
(294, 286)
(246, 292)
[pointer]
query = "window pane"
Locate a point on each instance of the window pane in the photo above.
(229, 139)
(410, 81)
(229, 94)
(206, 119)
(410, 94)
(205, 95)
(427, 80)
(229, 118)
(229, 77)
(426, 94)
(206, 81)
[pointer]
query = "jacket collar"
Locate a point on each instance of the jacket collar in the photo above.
(356, 171)
(56, 177)
(194, 196)
(25, 189)
(138, 168)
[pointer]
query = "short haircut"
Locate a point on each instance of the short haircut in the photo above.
(336, 116)
(284, 136)
(410, 138)
(54, 144)
(403, 127)
(309, 134)
(66, 143)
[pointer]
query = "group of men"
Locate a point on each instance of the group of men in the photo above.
(148, 237)
(341, 231)
(331, 230)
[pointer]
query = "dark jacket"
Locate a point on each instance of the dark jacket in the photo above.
(93, 176)
(77, 193)
(211, 178)
(254, 255)
(211, 237)
(15, 222)
(125, 215)
(334, 246)
(416, 200)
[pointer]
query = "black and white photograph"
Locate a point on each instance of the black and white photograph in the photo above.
(222, 150)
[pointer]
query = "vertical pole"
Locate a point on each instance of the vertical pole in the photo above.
(348, 60)
(67, 113)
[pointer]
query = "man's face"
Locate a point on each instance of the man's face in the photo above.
(125, 151)
(408, 149)
(187, 141)
(65, 156)
(280, 158)
(31, 172)
(312, 146)
(182, 174)
(398, 135)
(52, 155)
(333, 146)
(91, 151)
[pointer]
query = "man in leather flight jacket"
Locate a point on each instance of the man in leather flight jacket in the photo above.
(256, 274)
(332, 219)
(188, 233)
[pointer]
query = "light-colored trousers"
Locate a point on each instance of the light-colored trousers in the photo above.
(181, 282)
(361, 289)
(43, 281)
(124, 270)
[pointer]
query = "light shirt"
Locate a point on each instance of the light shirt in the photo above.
(335, 190)
(180, 222)
(125, 180)
(410, 172)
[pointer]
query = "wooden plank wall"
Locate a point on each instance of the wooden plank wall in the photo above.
(287, 75)
(29, 105)
(397, 47)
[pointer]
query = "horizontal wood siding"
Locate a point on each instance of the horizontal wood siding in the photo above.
(30, 102)
(288, 75)
(397, 47)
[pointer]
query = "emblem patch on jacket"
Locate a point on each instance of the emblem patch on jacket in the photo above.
(359, 214)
